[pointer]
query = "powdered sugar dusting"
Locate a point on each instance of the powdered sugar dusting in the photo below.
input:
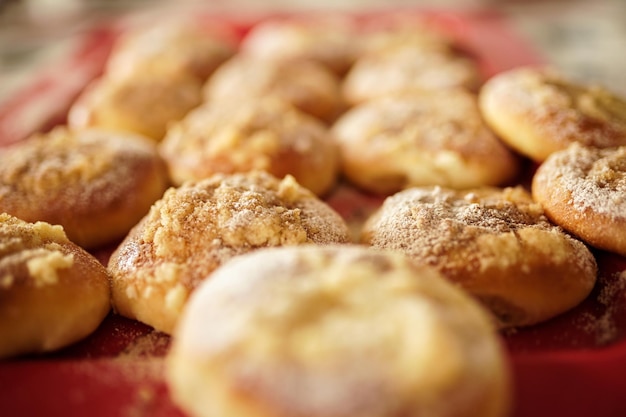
(594, 178)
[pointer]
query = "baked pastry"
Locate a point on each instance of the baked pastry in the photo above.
(538, 111)
(177, 47)
(97, 184)
(495, 243)
(402, 69)
(307, 85)
(331, 41)
(195, 228)
(267, 135)
(335, 331)
(52, 292)
(145, 103)
(403, 30)
(583, 189)
(426, 138)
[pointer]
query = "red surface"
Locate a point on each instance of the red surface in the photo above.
(570, 366)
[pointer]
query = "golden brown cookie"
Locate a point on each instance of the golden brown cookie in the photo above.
(195, 228)
(144, 103)
(495, 243)
(171, 48)
(331, 41)
(583, 189)
(52, 292)
(402, 69)
(267, 135)
(335, 331)
(425, 138)
(538, 111)
(97, 184)
(306, 85)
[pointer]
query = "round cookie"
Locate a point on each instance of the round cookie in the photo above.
(145, 103)
(97, 184)
(538, 111)
(331, 41)
(307, 85)
(335, 331)
(171, 48)
(583, 189)
(402, 69)
(495, 243)
(267, 135)
(52, 292)
(195, 228)
(426, 138)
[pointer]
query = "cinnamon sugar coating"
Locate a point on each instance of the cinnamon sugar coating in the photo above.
(538, 111)
(583, 189)
(95, 183)
(195, 228)
(495, 243)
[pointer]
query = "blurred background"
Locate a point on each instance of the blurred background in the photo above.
(585, 38)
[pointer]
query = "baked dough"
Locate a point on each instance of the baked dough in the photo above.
(538, 111)
(400, 30)
(307, 85)
(335, 331)
(145, 103)
(495, 243)
(426, 138)
(97, 184)
(195, 228)
(583, 189)
(267, 135)
(402, 69)
(171, 48)
(331, 41)
(52, 292)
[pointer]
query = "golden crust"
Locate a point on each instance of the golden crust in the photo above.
(170, 48)
(97, 184)
(335, 331)
(538, 111)
(267, 135)
(52, 293)
(425, 138)
(404, 32)
(495, 243)
(329, 41)
(402, 69)
(583, 189)
(144, 103)
(195, 228)
(306, 85)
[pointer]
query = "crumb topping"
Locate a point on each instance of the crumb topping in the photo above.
(198, 226)
(484, 228)
(36, 247)
(245, 137)
(83, 169)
